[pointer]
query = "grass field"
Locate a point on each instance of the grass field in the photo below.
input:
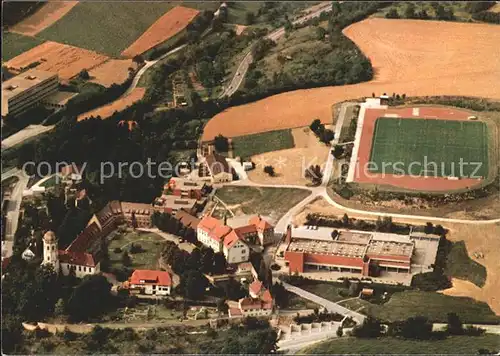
(460, 265)
(424, 142)
(14, 44)
(109, 27)
(388, 345)
(264, 201)
(432, 305)
(250, 145)
(151, 244)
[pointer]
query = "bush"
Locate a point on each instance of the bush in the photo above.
(117, 250)
(430, 281)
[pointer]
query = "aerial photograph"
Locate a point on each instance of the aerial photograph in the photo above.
(250, 177)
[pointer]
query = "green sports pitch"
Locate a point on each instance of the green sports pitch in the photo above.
(430, 147)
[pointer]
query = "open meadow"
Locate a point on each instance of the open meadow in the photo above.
(407, 56)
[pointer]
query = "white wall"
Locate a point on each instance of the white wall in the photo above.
(240, 252)
(150, 288)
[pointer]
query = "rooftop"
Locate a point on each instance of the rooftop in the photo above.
(23, 81)
(185, 184)
(145, 276)
(350, 243)
(175, 202)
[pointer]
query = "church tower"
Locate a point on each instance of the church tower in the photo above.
(50, 250)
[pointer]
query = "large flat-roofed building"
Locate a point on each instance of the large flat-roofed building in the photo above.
(312, 249)
(27, 90)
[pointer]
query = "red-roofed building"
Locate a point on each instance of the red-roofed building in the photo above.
(150, 282)
(260, 302)
(221, 238)
(257, 230)
(349, 251)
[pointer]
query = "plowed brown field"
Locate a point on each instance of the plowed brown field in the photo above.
(409, 56)
(118, 105)
(44, 17)
(165, 27)
(59, 58)
(114, 71)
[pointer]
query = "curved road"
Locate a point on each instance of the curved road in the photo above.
(275, 35)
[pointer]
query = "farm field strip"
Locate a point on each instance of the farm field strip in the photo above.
(63, 59)
(48, 14)
(164, 28)
(118, 105)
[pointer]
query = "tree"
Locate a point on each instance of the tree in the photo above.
(345, 220)
(270, 171)
(316, 125)
(249, 18)
(84, 74)
(429, 228)
(194, 261)
(326, 136)
(392, 14)
(207, 259)
(320, 33)
(59, 309)
(454, 325)
(126, 260)
(280, 295)
(340, 331)
(90, 298)
(419, 328)
(220, 264)
(222, 306)
(410, 11)
(439, 230)
(193, 284)
(335, 233)
(370, 328)
(133, 221)
(138, 59)
(338, 151)
(221, 143)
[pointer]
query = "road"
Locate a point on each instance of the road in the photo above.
(274, 36)
(327, 304)
(12, 217)
(25, 134)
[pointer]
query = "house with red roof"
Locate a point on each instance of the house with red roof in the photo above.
(215, 234)
(260, 302)
(150, 282)
(258, 231)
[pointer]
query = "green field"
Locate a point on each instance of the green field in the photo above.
(404, 146)
(264, 201)
(14, 44)
(109, 27)
(434, 306)
(151, 244)
(389, 345)
(250, 145)
(460, 265)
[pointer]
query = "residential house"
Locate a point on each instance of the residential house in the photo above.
(217, 167)
(260, 302)
(258, 232)
(150, 282)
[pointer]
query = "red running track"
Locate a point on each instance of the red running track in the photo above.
(405, 181)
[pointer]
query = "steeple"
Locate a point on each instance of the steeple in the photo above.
(50, 250)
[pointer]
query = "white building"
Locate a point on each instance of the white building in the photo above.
(221, 238)
(81, 263)
(150, 282)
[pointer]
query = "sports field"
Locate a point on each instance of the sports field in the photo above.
(430, 147)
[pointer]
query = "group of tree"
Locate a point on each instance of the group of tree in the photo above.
(168, 223)
(325, 135)
(314, 174)
(221, 143)
(269, 170)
